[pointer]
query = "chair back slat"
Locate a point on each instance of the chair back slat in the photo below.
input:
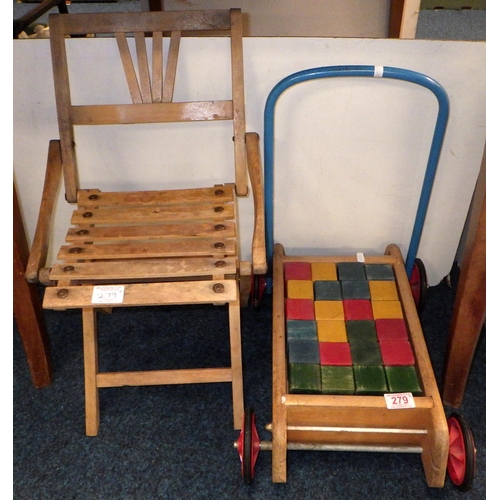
(170, 72)
(143, 64)
(157, 67)
(129, 69)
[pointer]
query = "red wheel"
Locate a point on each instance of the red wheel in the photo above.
(462, 455)
(248, 446)
(257, 292)
(418, 284)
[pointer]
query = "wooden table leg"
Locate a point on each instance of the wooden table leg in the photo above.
(28, 311)
(469, 314)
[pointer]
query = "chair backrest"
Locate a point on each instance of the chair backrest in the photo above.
(151, 89)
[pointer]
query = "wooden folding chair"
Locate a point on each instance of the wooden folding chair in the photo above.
(148, 248)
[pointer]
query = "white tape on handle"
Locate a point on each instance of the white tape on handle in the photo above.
(378, 71)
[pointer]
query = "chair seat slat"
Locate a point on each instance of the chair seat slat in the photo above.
(185, 248)
(133, 269)
(108, 234)
(147, 294)
(153, 215)
(95, 197)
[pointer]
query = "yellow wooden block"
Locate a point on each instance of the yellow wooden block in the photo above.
(387, 309)
(324, 271)
(383, 290)
(300, 289)
(329, 309)
(331, 330)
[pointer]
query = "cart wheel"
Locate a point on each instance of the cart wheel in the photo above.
(248, 446)
(418, 284)
(257, 292)
(462, 456)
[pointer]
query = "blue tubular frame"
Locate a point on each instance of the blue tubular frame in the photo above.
(355, 71)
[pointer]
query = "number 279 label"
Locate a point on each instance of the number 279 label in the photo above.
(400, 400)
(108, 294)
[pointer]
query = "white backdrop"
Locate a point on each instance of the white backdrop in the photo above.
(350, 153)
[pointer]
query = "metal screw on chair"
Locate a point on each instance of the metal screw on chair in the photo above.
(62, 293)
(219, 209)
(219, 244)
(218, 288)
(220, 263)
(93, 197)
(219, 192)
(76, 250)
(220, 227)
(82, 232)
(67, 269)
(87, 215)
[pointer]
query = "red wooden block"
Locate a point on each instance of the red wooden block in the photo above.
(391, 329)
(298, 271)
(396, 353)
(335, 354)
(299, 309)
(357, 309)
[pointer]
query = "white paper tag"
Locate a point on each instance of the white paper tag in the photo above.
(108, 294)
(360, 256)
(398, 401)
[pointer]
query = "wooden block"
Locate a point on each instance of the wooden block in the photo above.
(323, 271)
(357, 309)
(396, 353)
(304, 378)
(391, 329)
(360, 331)
(297, 271)
(387, 309)
(303, 351)
(327, 290)
(299, 309)
(383, 290)
(366, 354)
(355, 290)
(331, 330)
(403, 379)
(300, 289)
(329, 309)
(337, 380)
(379, 272)
(352, 271)
(301, 329)
(335, 354)
(369, 380)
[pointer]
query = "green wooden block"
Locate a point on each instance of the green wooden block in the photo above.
(304, 378)
(379, 272)
(366, 354)
(370, 380)
(403, 379)
(301, 329)
(327, 290)
(352, 271)
(361, 331)
(337, 380)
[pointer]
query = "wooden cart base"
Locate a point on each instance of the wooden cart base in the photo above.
(356, 422)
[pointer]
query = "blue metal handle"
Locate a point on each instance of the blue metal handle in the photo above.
(355, 71)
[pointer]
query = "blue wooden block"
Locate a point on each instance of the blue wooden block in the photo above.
(301, 329)
(303, 351)
(379, 272)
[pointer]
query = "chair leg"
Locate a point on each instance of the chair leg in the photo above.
(91, 369)
(236, 363)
